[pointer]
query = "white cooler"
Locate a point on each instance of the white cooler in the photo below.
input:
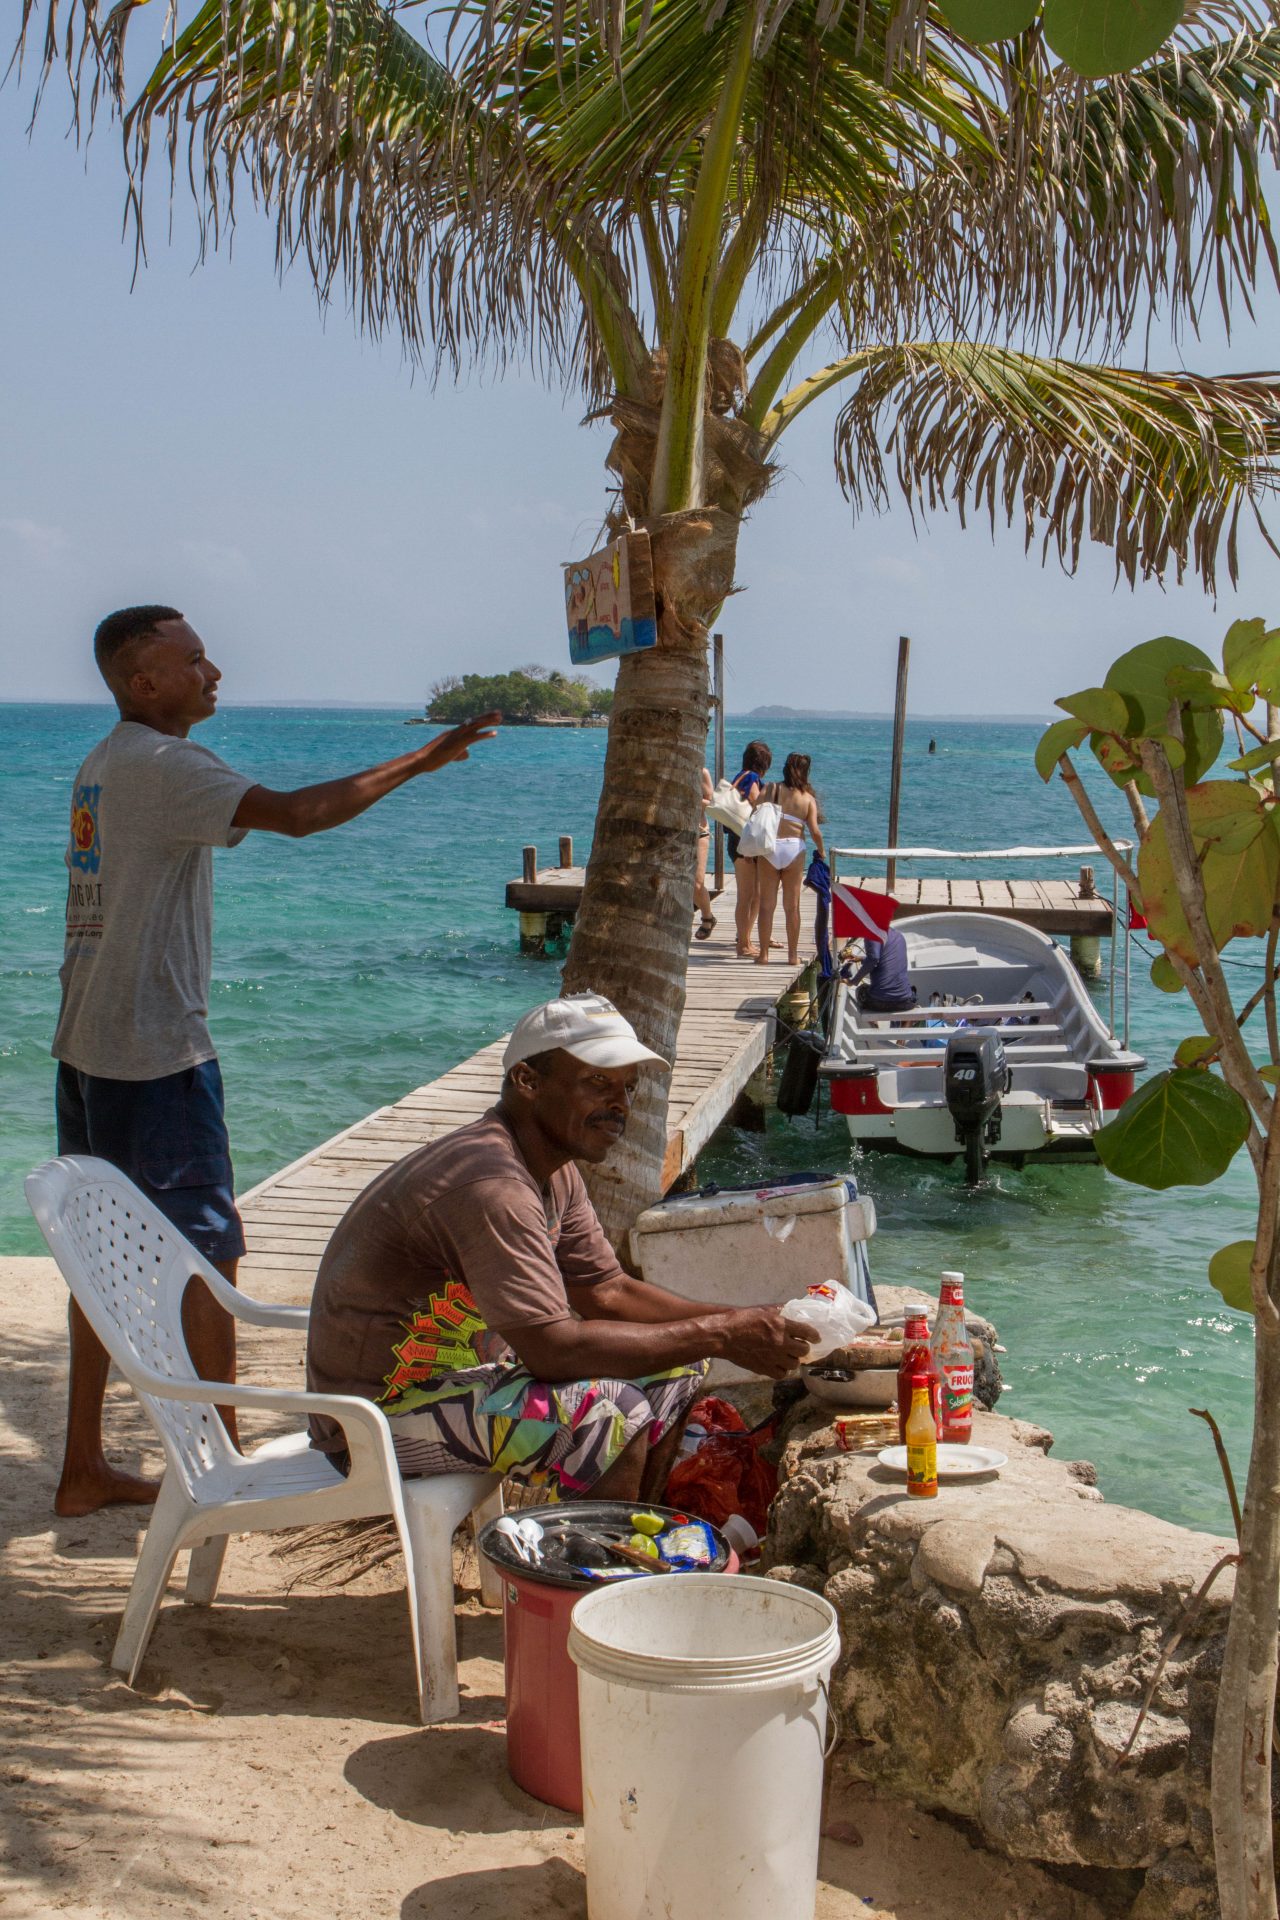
(757, 1246)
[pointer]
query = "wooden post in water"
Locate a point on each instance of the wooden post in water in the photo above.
(717, 769)
(1086, 948)
(566, 850)
(533, 926)
(895, 768)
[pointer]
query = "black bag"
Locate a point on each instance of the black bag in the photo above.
(799, 1079)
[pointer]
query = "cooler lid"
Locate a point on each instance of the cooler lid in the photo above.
(738, 1206)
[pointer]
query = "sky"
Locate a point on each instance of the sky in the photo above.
(338, 530)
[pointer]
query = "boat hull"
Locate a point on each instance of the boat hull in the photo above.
(1068, 1073)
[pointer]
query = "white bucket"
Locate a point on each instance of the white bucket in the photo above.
(703, 1706)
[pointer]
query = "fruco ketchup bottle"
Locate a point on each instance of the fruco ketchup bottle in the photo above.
(917, 1358)
(922, 1442)
(953, 1357)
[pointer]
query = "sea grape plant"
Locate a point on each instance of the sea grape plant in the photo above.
(1206, 875)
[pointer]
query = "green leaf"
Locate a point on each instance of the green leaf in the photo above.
(1141, 675)
(1229, 1273)
(1270, 1074)
(1054, 742)
(1256, 757)
(1116, 762)
(1242, 649)
(1164, 975)
(1182, 1129)
(1239, 861)
(1195, 1048)
(983, 20)
(1104, 709)
(1201, 688)
(1101, 37)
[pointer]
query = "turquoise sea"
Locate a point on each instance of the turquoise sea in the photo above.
(353, 966)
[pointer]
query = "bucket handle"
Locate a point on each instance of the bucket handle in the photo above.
(834, 1728)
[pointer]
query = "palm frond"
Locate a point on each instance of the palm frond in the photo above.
(1156, 466)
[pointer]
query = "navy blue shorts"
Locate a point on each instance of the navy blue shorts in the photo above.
(170, 1137)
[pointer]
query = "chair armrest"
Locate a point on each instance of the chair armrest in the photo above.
(364, 1426)
(259, 1313)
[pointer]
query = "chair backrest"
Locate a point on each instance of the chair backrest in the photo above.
(128, 1268)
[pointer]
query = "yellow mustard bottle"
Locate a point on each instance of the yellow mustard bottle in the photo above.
(922, 1442)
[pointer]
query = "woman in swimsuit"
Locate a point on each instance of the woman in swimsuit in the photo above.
(756, 762)
(785, 869)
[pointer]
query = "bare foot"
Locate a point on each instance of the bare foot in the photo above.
(106, 1487)
(762, 960)
(746, 953)
(793, 959)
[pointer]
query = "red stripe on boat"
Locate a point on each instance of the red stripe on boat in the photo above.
(857, 1093)
(1112, 1089)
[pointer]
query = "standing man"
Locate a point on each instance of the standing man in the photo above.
(138, 1079)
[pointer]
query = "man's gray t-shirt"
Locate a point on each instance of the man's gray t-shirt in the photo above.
(146, 811)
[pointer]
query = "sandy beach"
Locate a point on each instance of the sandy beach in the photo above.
(269, 1761)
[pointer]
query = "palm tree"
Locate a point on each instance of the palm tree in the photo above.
(673, 207)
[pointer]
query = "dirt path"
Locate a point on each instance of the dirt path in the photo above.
(269, 1765)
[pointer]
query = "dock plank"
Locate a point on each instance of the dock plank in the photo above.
(724, 1036)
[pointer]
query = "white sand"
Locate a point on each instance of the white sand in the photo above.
(269, 1763)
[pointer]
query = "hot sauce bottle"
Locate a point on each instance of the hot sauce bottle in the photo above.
(922, 1442)
(917, 1358)
(953, 1357)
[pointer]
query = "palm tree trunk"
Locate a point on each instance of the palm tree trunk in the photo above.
(1242, 1733)
(631, 933)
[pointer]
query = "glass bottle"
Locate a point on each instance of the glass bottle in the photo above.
(922, 1443)
(953, 1357)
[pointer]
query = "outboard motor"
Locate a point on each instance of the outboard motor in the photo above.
(975, 1076)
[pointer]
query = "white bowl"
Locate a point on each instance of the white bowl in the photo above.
(867, 1387)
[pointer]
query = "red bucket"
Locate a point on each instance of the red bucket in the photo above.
(543, 1754)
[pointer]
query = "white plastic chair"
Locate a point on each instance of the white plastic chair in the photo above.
(128, 1268)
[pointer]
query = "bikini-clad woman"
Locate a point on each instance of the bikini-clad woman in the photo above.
(785, 869)
(756, 762)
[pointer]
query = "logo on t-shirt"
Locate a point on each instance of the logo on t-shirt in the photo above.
(86, 845)
(449, 1336)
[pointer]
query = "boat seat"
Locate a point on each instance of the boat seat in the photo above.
(1051, 1081)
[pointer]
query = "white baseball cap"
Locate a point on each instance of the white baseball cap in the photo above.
(584, 1024)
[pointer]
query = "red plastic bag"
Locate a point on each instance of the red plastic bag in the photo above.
(726, 1475)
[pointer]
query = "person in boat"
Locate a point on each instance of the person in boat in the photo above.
(138, 1079)
(756, 762)
(470, 1291)
(882, 982)
(783, 870)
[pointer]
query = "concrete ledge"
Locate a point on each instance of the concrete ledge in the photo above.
(997, 1644)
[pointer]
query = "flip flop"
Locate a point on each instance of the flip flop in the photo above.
(706, 930)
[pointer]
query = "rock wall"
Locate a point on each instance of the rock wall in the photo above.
(997, 1644)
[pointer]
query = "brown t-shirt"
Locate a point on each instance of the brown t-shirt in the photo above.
(442, 1258)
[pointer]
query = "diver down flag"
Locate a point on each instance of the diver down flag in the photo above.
(857, 914)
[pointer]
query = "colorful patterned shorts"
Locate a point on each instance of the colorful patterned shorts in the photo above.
(562, 1437)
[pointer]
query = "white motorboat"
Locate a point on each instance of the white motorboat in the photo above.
(1004, 1055)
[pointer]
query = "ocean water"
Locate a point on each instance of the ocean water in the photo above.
(355, 965)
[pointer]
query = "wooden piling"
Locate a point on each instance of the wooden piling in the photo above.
(895, 769)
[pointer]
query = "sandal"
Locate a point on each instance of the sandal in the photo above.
(706, 930)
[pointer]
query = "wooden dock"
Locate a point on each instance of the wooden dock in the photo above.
(1050, 906)
(724, 1036)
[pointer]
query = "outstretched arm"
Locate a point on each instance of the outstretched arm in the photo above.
(333, 802)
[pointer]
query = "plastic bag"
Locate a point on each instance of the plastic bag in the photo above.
(834, 1314)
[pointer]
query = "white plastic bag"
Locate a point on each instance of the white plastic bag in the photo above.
(759, 837)
(831, 1312)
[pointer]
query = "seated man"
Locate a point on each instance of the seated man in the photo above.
(470, 1290)
(888, 988)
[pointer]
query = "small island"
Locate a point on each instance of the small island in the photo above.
(528, 697)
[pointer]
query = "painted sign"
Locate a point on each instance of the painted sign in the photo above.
(609, 601)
